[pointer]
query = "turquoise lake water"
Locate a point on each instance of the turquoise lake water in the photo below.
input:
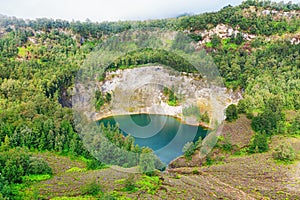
(164, 134)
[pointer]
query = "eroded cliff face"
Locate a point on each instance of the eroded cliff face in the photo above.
(142, 90)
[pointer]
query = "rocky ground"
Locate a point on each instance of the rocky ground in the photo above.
(140, 90)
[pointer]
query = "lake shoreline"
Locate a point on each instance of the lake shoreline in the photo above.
(203, 125)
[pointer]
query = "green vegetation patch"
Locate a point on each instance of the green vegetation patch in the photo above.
(209, 45)
(149, 184)
(93, 188)
(73, 198)
(284, 152)
(36, 178)
(22, 51)
(76, 169)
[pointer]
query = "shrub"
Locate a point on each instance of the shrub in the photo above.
(284, 152)
(231, 113)
(14, 165)
(259, 143)
(7, 192)
(94, 164)
(12, 172)
(38, 166)
(149, 162)
(209, 161)
(149, 184)
(195, 171)
(2, 183)
(33, 178)
(198, 143)
(295, 125)
(189, 149)
(92, 188)
(271, 118)
(76, 169)
(242, 106)
(249, 115)
(205, 117)
(226, 144)
(129, 184)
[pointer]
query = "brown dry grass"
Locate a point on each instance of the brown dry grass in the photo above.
(239, 132)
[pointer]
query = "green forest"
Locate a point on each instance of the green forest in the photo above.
(39, 60)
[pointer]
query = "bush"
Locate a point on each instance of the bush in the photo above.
(269, 121)
(129, 184)
(195, 171)
(284, 152)
(149, 184)
(231, 113)
(76, 169)
(189, 149)
(14, 165)
(2, 183)
(38, 166)
(259, 143)
(209, 161)
(249, 115)
(242, 106)
(7, 192)
(94, 164)
(34, 178)
(226, 144)
(147, 164)
(92, 188)
(205, 117)
(295, 125)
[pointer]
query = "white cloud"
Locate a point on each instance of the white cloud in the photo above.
(109, 10)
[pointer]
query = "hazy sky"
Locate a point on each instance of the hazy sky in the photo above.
(109, 10)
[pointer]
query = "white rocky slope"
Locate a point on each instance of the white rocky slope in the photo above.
(140, 90)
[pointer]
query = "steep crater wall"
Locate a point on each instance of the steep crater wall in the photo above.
(148, 89)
